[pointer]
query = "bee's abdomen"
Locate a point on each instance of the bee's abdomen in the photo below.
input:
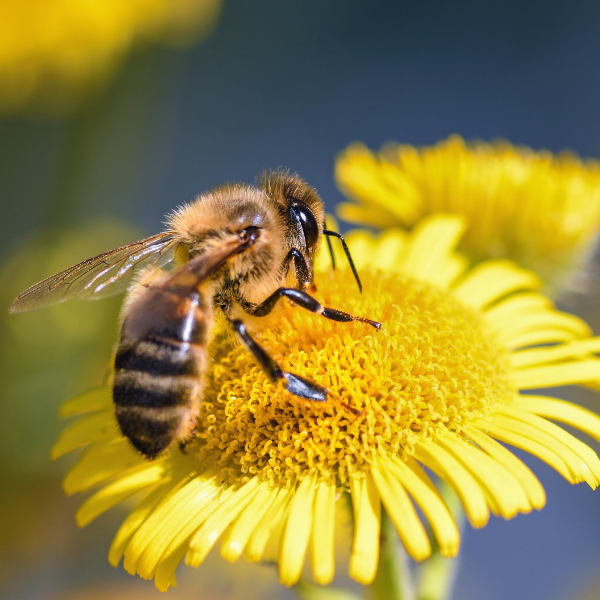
(150, 430)
(158, 382)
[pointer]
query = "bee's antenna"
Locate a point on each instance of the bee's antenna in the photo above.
(329, 245)
(340, 237)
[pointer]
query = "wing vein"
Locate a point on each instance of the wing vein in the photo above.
(105, 275)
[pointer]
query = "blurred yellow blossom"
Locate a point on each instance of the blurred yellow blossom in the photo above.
(540, 210)
(438, 387)
(52, 51)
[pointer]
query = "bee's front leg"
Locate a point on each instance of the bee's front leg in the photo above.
(305, 300)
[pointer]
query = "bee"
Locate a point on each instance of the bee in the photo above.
(237, 250)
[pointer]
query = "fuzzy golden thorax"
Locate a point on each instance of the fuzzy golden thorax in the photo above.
(272, 207)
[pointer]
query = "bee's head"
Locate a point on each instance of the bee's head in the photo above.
(303, 213)
(301, 210)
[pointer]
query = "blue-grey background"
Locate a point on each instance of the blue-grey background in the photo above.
(279, 83)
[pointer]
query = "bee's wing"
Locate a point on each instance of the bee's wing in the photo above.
(104, 275)
(163, 298)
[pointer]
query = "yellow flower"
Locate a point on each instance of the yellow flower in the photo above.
(540, 210)
(437, 387)
(51, 51)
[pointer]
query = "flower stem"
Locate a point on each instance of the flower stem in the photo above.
(437, 574)
(305, 590)
(393, 579)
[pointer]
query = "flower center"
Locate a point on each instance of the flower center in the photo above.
(434, 366)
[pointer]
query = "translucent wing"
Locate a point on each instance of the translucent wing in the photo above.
(163, 298)
(104, 275)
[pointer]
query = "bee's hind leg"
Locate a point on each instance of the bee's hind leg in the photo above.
(295, 384)
(184, 444)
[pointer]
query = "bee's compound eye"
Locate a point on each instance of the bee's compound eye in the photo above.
(309, 224)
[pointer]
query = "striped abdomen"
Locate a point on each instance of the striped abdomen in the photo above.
(159, 379)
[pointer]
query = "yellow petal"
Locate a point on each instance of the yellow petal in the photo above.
(190, 514)
(386, 250)
(139, 515)
(432, 240)
(578, 469)
(533, 488)
(99, 462)
(451, 270)
(260, 536)
(361, 176)
(236, 539)
(491, 280)
(179, 543)
(517, 306)
(322, 539)
(390, 249)
(562, 411)
(565, 373)
(456, 476)
(205, 538)
(504, 491)
(367, 524)
(95, 399)
(535, 337)
(185, 499)
(540, 321)
(521, 437)
(402, 513)
(182, 523)
(295, 538)
(426, 495)
(583, 451)
(97, 427)
(118, 490)
(540, 356)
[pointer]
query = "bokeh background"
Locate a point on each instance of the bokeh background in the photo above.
(91, 162)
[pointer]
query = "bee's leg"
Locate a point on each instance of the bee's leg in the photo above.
(306, 301)
(302, 274)
(183, 445)
(295, 384)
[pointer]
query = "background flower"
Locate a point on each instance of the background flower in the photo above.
(53, 51)
(540, 210)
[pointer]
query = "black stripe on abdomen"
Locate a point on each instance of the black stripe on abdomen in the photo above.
(158, 356)
(150, 431)
(137, 388)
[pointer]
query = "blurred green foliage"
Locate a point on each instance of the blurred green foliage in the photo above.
(50, 354)
(60, 179)
(45, 356)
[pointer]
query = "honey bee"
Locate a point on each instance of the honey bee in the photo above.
(242, 248)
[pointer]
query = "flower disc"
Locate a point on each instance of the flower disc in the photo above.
(433, 365)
